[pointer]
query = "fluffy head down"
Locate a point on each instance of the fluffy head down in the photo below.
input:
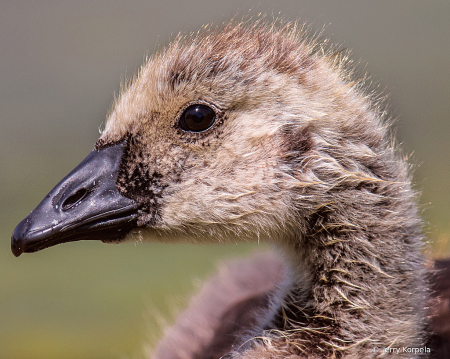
(299, 155)
(289, 125)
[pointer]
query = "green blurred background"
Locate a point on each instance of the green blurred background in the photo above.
(60, 64)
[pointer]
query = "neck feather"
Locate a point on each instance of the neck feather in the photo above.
(358, 277)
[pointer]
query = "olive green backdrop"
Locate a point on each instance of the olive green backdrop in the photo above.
(61, 63)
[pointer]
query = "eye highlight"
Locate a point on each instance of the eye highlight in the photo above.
(197, 118)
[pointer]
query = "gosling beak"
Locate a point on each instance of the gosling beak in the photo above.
(86, 204)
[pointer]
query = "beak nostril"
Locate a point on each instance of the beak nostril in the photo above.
(74, 199)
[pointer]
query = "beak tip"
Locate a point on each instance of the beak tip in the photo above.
(16, 246)
(17, 251)
(17, 238)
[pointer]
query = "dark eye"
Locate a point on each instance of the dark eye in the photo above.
(197, 118)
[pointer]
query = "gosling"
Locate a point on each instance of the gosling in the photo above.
(255, 133)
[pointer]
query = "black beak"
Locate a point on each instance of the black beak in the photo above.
(86, 204)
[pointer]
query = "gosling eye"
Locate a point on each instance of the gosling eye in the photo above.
(197, 118)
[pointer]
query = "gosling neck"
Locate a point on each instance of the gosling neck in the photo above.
(358, 277)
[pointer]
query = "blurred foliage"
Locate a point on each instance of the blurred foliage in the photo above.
(61, 62)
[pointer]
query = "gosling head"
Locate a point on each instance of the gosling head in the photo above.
(241, 132)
